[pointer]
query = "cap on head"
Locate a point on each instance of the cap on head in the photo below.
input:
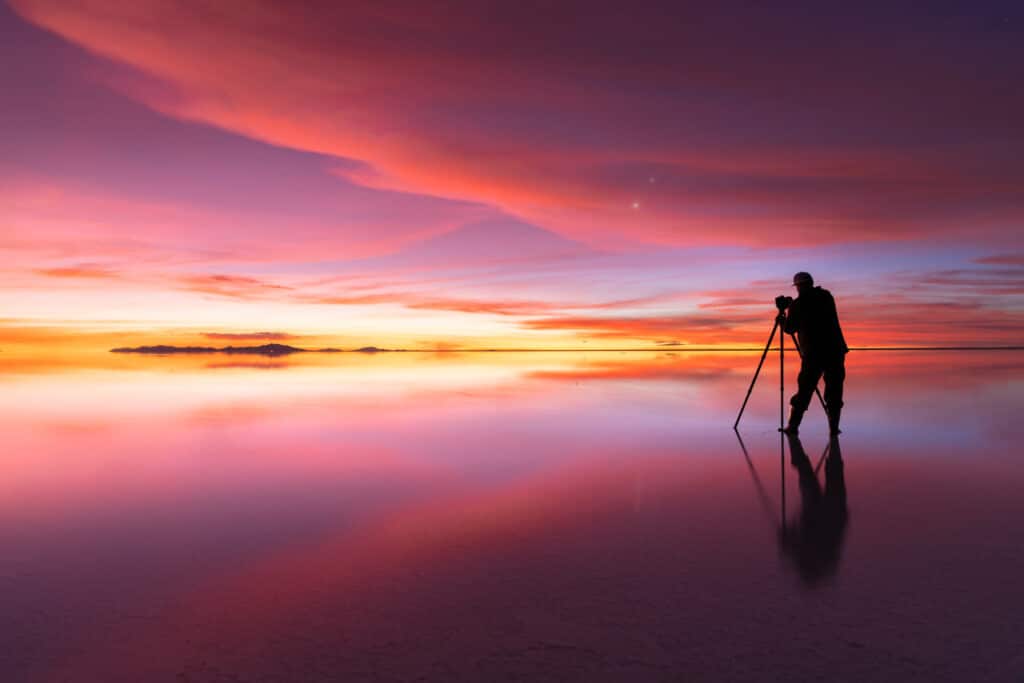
(803, 278)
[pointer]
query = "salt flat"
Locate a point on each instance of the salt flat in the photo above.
(487, 517)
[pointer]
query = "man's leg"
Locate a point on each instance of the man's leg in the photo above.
(807, 380)
(810, 489)
(835, 482)
(835, 375)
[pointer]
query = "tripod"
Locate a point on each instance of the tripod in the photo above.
(782, 377)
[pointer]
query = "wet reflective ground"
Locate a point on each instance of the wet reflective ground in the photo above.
(486, 517)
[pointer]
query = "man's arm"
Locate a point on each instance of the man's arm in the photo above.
(790, 321)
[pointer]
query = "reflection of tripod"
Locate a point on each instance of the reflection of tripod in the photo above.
(782, 376)
(765, 498)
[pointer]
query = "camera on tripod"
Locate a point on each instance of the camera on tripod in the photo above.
(783, 302)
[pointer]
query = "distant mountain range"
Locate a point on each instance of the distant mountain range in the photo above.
(261, 350)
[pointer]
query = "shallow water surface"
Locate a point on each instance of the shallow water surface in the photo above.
(497, 516)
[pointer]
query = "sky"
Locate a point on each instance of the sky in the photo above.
(513, 175)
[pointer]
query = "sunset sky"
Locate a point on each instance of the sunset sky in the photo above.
(507, 174)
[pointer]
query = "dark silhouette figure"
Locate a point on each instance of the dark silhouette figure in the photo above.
(812, 317)
(815, 538)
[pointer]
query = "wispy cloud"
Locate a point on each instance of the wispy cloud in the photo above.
(693, 328)
(487, 306)
(1016, 259)
(231, 286)
(83, 271)
(243, 336)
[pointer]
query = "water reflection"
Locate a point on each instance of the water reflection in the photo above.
(766, 502)
(499, 516)
(814, 538)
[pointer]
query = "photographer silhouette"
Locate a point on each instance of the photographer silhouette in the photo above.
(812, 317)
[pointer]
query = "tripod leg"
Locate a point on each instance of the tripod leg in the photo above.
(816, 392)
(824, 454)
(782, 479)
(782, 380)
(764, 354)
(765, 500)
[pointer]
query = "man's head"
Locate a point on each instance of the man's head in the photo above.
(803, 282)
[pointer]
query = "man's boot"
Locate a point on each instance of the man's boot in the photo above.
(795, 417)
(833, 419)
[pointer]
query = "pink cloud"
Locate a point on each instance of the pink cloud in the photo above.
(1002, 259)
(694, 328)
(81, 271)
(488, 164)
(666, 138)
(951, 316)
(232, 286)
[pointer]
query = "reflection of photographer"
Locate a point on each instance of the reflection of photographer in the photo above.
(815, 538)
(812, 317)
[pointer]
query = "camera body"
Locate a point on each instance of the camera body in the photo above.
(783, 302)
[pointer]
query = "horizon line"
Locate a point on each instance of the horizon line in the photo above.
(711, 349)
(701, 349)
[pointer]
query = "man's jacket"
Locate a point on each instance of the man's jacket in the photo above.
(813, 318)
